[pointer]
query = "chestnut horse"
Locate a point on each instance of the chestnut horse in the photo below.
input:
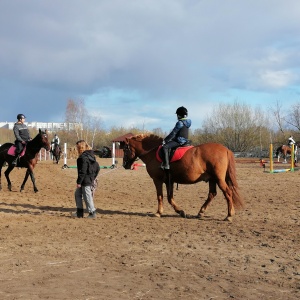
(28, 161)
(211, 162)
(285, 150)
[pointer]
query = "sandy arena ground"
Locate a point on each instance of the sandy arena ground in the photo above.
(126, 253)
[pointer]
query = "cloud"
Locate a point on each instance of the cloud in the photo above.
(149, 55)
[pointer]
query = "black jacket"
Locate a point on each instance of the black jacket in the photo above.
(87, 168)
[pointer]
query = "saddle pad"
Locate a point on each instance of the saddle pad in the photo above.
(179, 152)
(11, 151)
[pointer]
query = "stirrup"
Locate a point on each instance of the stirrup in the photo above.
(162, 166)
(15, 161)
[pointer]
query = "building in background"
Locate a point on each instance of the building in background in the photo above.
(50, 126)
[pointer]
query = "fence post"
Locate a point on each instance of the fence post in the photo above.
(271, 158)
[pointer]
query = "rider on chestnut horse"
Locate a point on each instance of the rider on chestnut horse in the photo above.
(177, 137)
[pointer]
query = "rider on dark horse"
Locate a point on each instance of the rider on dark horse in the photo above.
(177, 137)
(55, 141)
(22, 135)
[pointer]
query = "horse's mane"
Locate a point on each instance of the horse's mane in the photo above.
(149, 141)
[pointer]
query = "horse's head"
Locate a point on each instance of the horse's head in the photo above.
(129, 154)
(137, 146)
(43, 135)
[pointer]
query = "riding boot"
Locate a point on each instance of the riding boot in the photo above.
(166, 164)
(15, 161)
(78, 214)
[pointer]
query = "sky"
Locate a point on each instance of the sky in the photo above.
(134, 62)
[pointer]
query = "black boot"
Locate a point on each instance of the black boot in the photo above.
(166, 164)
(15, 161)
(79, 212)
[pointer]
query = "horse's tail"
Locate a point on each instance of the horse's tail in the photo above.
(231, 181)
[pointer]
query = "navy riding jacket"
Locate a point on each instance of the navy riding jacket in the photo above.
(180, 132)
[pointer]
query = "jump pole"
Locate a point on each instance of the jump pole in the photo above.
(293, 158)
(65, 157)
(271, 159)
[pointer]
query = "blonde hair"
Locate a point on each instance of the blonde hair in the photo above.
(82, 146)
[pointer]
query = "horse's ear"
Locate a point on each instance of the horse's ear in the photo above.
(40, 130)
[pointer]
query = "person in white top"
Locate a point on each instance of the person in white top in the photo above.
(55, 141)
(291, 141)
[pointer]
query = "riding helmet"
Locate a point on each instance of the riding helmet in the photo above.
(182, 111)
(20, 116)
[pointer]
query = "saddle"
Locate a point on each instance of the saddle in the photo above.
(12, 151)
(176, 153)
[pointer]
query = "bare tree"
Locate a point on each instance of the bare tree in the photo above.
(237, 126)
(293, 118)
(76, 113)
(279, 117)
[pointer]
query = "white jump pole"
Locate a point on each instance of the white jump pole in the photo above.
(113, 154)
(65, 156)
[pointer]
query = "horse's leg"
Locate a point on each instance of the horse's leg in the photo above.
(285, 155)
(159, 192)
(24, 181)
(170, 195)
(228, 195)
(29, 172)
(6, 173)
(212, 192)
(33, 182)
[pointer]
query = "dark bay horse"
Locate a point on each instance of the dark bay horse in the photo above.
(28, 161)
(286, 150)
(56, 153)
(211, 162)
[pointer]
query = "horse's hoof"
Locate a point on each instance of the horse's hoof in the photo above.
(158, 215)
(182, 214)
(228, 219)
(200, 216)
(36, 190)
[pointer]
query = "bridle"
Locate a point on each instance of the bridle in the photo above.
(129, 157)
(133, 157)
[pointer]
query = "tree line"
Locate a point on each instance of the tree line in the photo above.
(238, 126)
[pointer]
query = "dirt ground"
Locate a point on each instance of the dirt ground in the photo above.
(126, 253)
